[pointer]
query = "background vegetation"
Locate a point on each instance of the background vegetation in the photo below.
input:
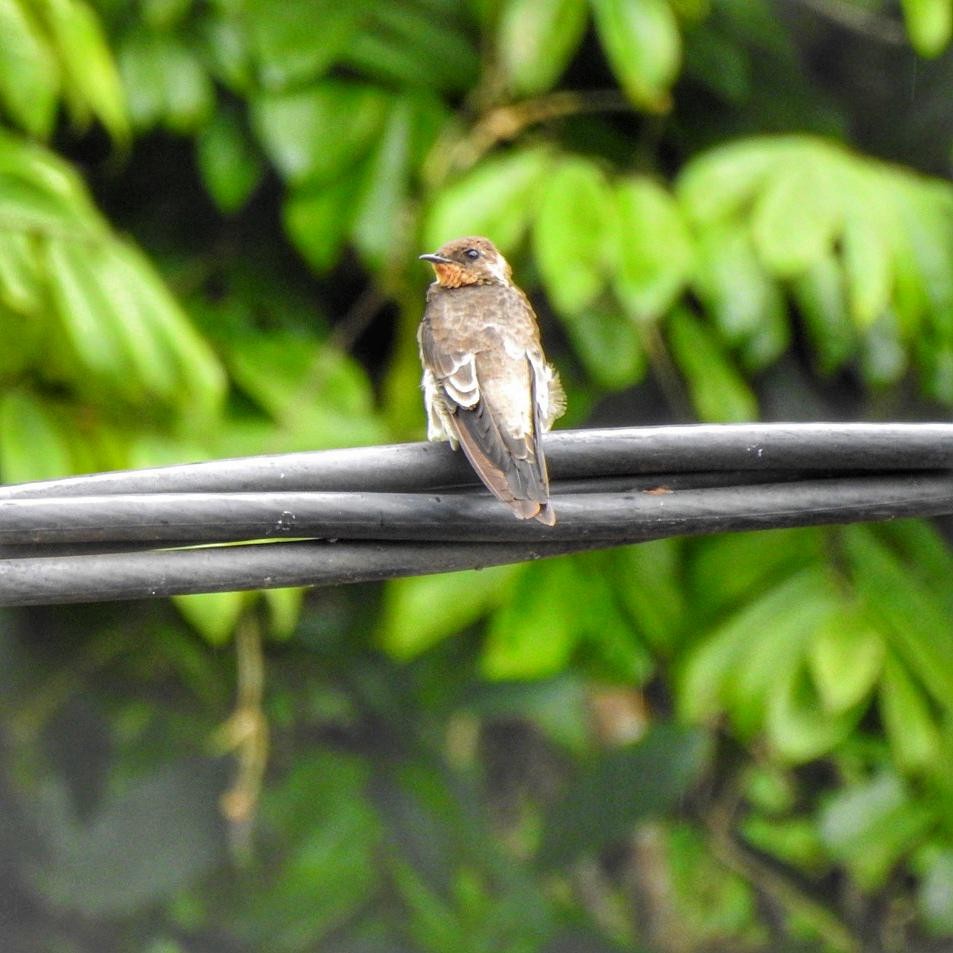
(210, 212)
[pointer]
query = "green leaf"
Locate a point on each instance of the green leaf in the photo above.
(770, 337)
(29, 73)
(845, 658)
(199, 379)
(797, 215)
(284, 611)
(46, 178)
(722, 182)
(188, 91)
(319, 396)
(574, 240)
(300, 367)
(119, 323)
(214, 615)
(536, 40)
(910, 726)
(135, 318)
(140, 66)
(937, 373)
(317, 133)
(420, 612)
(935, 893)
(719, 63)
(794, 842)
(608, 345)
(23, 343)
(821, 298)
(655, 254)
(866, 248)
(90, 78)
(405, 44)
(920, 247)
(430, 118)
(713, 903)
(82, 305)
(613, 793)
(610, 647)
(769, 788)
(431, 916)
(21, 280)
(165, 14)
(160, 353)
(643, 46)
(757, 26)
(718, 391)
(26, 207)
(883, 358)
(41, 194)
(33, 445)
(736, 666)
(378, 223)
(167, 82)
(929, 23)
(93, 444)
(725, 569)
(297, 40)
(923, 245)
(691, 11)
(533, 633)
(733, 285)
(228, 163)
(226, 51)
(870, 825)
(317, 219)
(494, 199)
(917, 623)
(919, 545)
(799, 728)
(752, 688)
(327, 860)
(647, 581)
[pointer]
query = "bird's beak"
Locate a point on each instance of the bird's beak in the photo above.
(436, 259)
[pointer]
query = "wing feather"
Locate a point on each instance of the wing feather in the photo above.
(511, 465)
(492, 392)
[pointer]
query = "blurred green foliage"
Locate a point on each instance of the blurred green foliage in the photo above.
(210, 212)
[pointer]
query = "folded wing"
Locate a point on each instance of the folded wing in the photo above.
(490, 403)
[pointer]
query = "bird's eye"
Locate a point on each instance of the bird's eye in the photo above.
(472, 254)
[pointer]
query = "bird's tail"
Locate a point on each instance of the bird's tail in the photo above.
(515, 475)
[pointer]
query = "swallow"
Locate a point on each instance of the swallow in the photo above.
(487, 384)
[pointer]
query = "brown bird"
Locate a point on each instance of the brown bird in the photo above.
(487, 384)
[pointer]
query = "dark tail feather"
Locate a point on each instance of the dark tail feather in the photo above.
(546, 514)
(510, 473)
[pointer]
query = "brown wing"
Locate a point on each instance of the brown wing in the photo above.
(490, 401)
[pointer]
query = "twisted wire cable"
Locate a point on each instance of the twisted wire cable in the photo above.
(339, 516)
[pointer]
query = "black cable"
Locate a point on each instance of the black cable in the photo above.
(587, 522)
(620, 516)
(414, 508)
(43, 542)
(572, 454)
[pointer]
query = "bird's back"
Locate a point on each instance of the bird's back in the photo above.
(481, 344)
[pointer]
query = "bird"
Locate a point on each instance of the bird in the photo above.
(487, 385)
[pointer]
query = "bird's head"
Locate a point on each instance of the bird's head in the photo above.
(469, 261)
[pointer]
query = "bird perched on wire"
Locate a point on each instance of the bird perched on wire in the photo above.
(487, 384)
